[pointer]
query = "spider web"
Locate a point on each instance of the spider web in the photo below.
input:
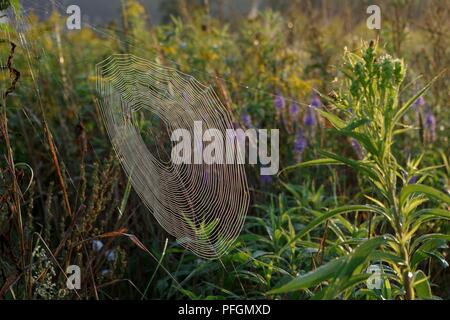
(202, 205)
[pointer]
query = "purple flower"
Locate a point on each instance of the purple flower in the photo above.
(246, 120)
(300, 142)
(315, 101)
(309, 119)
(420, 102)
(430, 121)
(413, 180)
(430, 125)
(357, 148)
(293, 110)
(279, 102)
(267, 180)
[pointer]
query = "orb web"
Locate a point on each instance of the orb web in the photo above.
(202, 205)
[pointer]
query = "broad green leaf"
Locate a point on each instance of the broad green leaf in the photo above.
(360, 255)
(350, 274)
(312, 278)
(335, 120)
(348, 284)
(367, 294)
(426, 249)
(340, 270)
(422, 286)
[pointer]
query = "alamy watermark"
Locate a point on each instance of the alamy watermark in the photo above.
(375, 280)
(374, 20)
(73, 281)
(73, 22)
(228, 149)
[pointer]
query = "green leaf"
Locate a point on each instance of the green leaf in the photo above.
(16, 5)
(423, 189)
(360, 255)
(341, 270)
(357, 165)
(427, 237)
(429, 249)
(335, 120)
(321, 219)
(354, 266)
(356, 124)
(427, 215)
(385, 256)
(312, 278)
(410, 102)
(348, 284)
(440, 258)
(350, 162)
(362, 138)
(422, 286)
(318, 162)
(387, 289)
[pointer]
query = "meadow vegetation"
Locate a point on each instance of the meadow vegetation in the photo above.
(364, 175)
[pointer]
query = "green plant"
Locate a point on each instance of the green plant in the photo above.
(368, 111)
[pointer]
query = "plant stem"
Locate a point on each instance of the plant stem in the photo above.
(15, 75)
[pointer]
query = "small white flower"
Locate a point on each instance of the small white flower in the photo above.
(111, 255)
(105, 272)
(97, 245)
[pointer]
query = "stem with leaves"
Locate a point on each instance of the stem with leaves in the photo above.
(367, 110)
